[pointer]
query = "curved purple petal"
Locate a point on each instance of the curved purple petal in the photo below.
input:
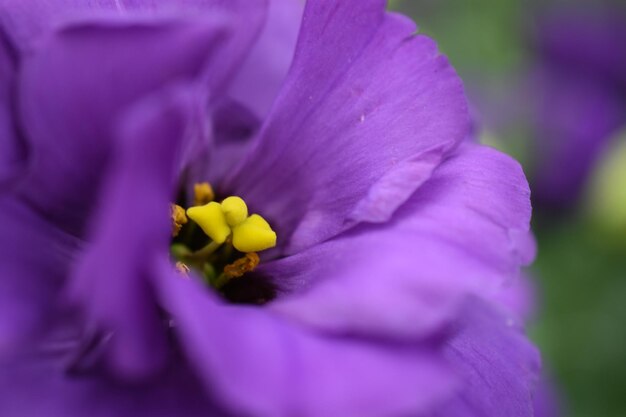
(367, 111)
(518, 297)
(498, 365)
(394, 286)
(112, 280)
(37, 384)
(30, 21)
(12, 150)
(261, 75)
(261, 364)
(465, 231)
(480, 201)
(34, 259)
(75, 88)
(252, 92)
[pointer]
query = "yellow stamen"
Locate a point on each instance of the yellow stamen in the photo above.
(241, 266)
(219, 221)
(203, 194)
(253, 235)
(211, 220)
(235, 210)
(178, 219)
(230, 228)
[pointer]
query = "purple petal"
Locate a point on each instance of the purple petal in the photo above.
(262, 73)
(112, 280)
(233, 128)
(394, 286)
(498, 365)
(34, 259)
(465, 231)
(518, 297)
(367, 111)
(27, 21)
(30, 21)
(12, 150)
(261, 364)
(76, 87)
(252, 92)
(478, 200)
(38, 384)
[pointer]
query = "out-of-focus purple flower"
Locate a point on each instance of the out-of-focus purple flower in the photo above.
(580, 87)
(396, 238)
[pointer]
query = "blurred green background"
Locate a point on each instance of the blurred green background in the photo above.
(580, 271)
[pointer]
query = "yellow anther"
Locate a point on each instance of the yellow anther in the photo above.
(241, 266)
(258, 221)
(211, 220)
(219, 221)
(178, 219)
(203, 194)
(235, 210)
(253, 235)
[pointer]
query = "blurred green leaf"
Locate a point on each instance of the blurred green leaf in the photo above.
(581, 327)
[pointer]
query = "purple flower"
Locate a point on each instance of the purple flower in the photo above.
(581, 97)
(397, 237)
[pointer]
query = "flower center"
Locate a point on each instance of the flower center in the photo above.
(218, 240)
